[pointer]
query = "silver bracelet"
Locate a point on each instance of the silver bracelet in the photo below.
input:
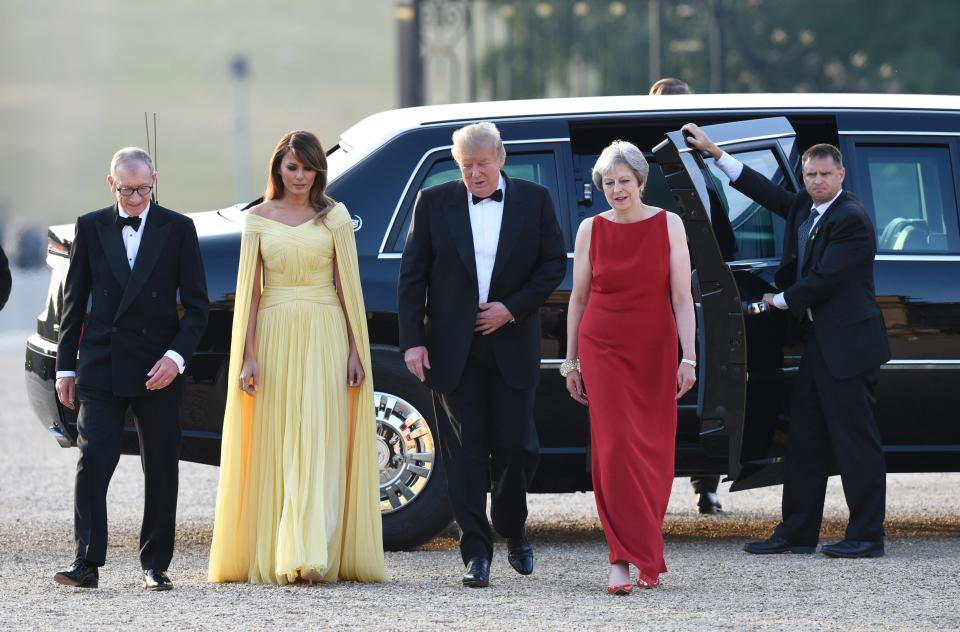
(569, 365)
(692, 363)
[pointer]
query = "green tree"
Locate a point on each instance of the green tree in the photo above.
(599, 47)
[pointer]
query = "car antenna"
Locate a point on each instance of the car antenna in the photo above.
(154, 152)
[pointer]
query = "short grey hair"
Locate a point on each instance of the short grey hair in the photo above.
(468, 139)
(620, 152)
(128, 155)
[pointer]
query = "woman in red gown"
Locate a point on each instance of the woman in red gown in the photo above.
(630, 300)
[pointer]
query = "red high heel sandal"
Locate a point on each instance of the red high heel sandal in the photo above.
(644, 584)
(620, 590)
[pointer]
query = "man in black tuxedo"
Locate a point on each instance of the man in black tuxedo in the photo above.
(6, 280)
(129, 261)
(482, 256)
(826, 275)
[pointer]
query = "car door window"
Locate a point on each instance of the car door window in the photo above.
(539, 167)
(910, 191)
(757, 230)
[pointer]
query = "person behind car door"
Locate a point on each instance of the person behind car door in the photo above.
(482, 256)
(6, 281)
(826, 282)
(704, 485)
(130, 260)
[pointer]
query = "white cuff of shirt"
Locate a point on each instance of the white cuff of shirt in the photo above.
(176, 357)
(730, 166)
(173, 355)
(779, 301)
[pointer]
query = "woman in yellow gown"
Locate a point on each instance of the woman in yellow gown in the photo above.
(298, 497)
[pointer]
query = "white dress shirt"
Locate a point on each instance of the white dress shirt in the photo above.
(131, 243)
(131, 238)
(485, 220)
(733, 168)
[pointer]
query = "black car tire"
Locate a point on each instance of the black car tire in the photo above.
(429, 513)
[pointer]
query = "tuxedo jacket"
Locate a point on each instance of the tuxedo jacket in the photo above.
(133, 316)
(438, 291)
(6, 281)
(836, 282)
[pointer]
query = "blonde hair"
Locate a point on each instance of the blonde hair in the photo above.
(468, 139)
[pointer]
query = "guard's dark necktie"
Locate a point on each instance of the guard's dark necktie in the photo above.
(132, 222)
(496, 196)
(803, 238)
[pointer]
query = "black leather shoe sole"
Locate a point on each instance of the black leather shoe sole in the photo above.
(86, 582)
(803, 550)
(157, 587)
(852, 556)
(473, 582)
(524, 567)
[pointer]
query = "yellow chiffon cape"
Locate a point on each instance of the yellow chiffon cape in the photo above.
(361, 557)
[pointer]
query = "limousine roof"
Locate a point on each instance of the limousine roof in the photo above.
(377, 129)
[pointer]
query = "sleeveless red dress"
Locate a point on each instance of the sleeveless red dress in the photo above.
(628, 357)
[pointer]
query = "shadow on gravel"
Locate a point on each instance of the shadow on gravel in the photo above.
(195, 536)
(709, 528)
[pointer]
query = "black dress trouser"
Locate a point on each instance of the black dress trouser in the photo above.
(832, 429)
(100, 425)
(705, 483)
(489, 444)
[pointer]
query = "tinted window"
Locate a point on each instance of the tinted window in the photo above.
(537, 167)
(758, 232)
(911, 194)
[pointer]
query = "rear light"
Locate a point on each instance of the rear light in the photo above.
(56, 248)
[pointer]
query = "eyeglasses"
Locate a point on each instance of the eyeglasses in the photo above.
(143, 190)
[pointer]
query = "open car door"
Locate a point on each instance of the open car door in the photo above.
(735, 245)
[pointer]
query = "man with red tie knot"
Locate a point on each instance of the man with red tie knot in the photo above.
(129, 262)
(826, 282)
(483, 254)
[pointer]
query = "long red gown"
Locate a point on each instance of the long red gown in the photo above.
(628, 357)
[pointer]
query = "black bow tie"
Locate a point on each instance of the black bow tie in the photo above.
(496, 196)
(132, 222)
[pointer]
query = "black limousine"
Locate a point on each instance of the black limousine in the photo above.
(902, 155)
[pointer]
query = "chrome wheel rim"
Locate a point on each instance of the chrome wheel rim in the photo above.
(406, 452)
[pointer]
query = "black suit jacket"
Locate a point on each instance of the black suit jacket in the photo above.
(836, 282)
(6, 281)
(438, 290)
(133, 317)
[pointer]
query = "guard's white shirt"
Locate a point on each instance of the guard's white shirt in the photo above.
(131, 243)
(733, 168)
(485, 220)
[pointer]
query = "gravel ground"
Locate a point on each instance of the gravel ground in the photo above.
(712, 584)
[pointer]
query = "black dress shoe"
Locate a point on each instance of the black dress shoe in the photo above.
(156, 580)
(520, 555)
(477, 574)
(80, 574)
(775, 544)
(709, 503)
(853, 549)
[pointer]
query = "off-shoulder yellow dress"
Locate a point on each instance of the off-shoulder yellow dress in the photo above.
(299, 485)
